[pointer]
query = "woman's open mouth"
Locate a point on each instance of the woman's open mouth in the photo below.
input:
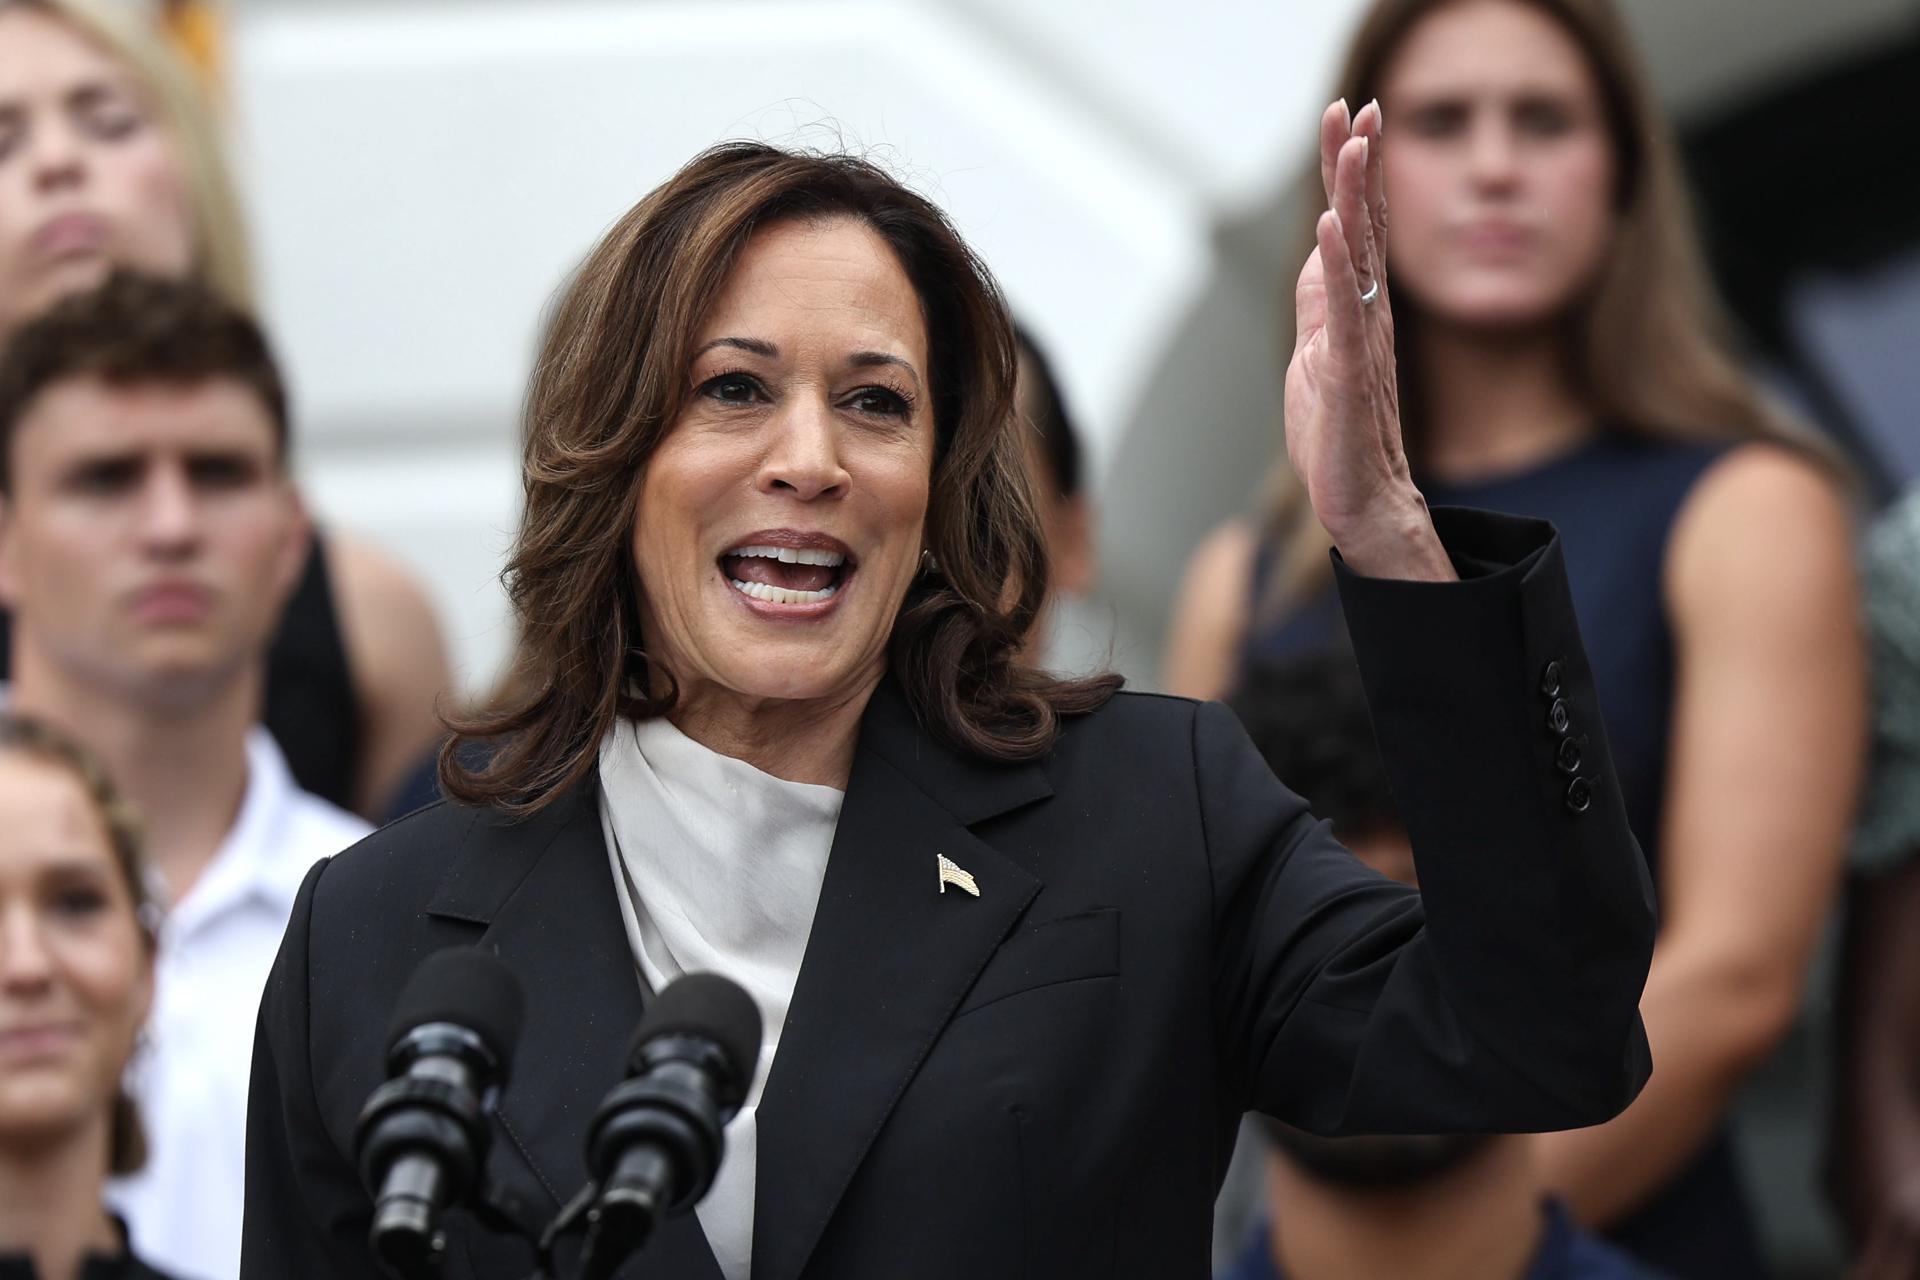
(787, 575)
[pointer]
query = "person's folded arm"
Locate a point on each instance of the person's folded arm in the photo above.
(1502, 996)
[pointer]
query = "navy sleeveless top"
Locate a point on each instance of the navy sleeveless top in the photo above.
(1614, 499)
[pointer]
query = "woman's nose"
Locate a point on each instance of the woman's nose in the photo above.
(26, 964)
(56, 156)
(803, 457)
(1492, 153)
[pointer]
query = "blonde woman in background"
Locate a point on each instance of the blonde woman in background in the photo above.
(1562, 359)
(108, 158)
(76, 983)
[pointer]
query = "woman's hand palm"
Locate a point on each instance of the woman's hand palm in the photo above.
(1342, 395)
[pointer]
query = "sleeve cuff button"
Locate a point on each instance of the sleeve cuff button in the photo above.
(1580, 795)
(1558, 719)
(1550, 679)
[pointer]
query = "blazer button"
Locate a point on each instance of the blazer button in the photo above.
(1557, 718)
(1550, 680)
(1580, 795)
(1568, 756)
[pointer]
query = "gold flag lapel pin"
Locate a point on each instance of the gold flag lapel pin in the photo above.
(951, 874)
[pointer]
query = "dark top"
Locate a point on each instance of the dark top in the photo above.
(311, 708)
(1614, 500)
(421, 787)
(1566, 1253)
(123, 1266)
(95, 1266)
(1044, 1079)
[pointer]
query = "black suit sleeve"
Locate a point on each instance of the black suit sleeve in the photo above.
(306, 1215)
(1502, 996)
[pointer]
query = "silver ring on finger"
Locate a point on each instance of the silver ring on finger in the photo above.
(1373, 291)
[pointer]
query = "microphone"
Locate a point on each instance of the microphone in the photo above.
(422, 1137)
(656, 1142)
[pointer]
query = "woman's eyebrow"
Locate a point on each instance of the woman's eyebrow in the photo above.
(761, 347)
(71, 868)
(756, 346)
(868, 359)
(91, 93)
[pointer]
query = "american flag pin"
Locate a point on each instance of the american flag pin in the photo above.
(951, 874)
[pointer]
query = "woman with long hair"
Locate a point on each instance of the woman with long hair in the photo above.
(1025, 948)
(76, 982)
(109, 157)
(1561, 357)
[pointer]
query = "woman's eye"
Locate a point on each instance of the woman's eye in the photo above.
(1543, 119)
(114, 128)
(1437, 121)
(731, 388)
(79, 902)
(879, 400)
(108, 116)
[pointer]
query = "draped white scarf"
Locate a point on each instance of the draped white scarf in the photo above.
(719, 867)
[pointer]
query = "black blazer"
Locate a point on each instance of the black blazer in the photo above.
(1044, 1080)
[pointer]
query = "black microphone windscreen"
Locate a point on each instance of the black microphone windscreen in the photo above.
(704, 1004)
(468, 987)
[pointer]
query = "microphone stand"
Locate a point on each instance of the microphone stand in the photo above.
(499, 1209)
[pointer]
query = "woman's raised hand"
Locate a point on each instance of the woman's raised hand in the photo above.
(1342, 397)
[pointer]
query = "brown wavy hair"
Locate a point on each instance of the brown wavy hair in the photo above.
(610, 381)
(1649, 345)
(126, 1135)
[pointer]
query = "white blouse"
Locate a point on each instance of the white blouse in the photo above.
(720, 867)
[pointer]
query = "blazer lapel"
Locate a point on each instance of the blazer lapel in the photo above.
(545, 892)
(889, 958)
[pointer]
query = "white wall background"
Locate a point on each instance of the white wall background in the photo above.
(422, 175)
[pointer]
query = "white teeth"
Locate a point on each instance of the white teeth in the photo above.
(780, 595)
(792, 555)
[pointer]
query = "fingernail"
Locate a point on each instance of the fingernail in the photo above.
(1379, 114)
(1345, 111)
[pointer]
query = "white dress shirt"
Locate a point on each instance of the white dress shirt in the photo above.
(720, 867)
(216, 946)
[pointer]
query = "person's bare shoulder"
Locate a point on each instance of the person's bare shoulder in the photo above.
(1210, 614)
(398, 658)
(1765, 524)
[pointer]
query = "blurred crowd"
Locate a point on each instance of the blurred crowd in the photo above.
(205, 693)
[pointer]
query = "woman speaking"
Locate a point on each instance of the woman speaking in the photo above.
(1025, 948)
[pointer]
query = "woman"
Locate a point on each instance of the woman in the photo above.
(107, 158)
(1025, 949)
(76, 981)
(1560, 361)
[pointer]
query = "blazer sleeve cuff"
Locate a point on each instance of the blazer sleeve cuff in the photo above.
(1481, 544)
